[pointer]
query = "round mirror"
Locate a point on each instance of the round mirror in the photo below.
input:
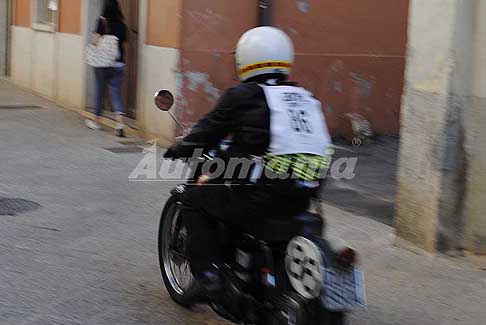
(164, 100)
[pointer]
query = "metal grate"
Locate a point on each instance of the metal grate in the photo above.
(13, 207)
(19, 107)
(127, 149)
(132, 142)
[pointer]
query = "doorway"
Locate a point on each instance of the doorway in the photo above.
(94, 11)
(130, 10)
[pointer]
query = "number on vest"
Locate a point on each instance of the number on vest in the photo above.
(299, 121)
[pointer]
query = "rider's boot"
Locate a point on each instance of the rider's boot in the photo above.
(211, 282)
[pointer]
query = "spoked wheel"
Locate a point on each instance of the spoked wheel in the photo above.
(173, 260)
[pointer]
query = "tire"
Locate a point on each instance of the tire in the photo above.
(185, 296)
(333, 318)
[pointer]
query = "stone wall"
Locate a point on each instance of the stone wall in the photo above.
(443, 156)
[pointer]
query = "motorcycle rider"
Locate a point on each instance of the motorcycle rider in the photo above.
(266, 117)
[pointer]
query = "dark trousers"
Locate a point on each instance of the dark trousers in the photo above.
(112, 78)
(237, 206)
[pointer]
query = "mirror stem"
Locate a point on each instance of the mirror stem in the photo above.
(176, 121)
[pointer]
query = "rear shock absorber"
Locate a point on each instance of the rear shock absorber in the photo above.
(244, 258)
(268, 269)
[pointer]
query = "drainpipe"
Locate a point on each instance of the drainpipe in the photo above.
(264, 12)
(5, 28)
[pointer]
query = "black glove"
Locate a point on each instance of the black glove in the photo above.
(171, 153)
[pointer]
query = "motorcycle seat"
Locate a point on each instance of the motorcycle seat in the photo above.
(274, 229)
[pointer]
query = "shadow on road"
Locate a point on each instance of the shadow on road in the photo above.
(371, 192)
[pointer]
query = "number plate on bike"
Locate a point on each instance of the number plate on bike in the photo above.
(343, 290)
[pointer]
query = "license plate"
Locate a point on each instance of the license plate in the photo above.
(343, 290)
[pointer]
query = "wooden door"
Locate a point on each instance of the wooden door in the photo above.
(131, 10)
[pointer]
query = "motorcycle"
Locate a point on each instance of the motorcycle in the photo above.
(277, 272)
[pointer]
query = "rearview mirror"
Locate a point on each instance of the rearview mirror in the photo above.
(164, 100)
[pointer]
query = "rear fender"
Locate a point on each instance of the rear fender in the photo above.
(310, 225)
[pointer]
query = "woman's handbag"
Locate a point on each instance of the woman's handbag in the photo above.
(106, 52)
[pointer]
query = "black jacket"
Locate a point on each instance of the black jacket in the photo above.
(242, 113)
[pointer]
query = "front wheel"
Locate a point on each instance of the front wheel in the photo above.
(173, 260)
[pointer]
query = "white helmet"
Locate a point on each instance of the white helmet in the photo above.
(264, 50)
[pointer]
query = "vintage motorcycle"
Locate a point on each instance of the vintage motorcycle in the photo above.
(278, 272)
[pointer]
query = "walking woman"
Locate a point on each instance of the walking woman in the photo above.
(110, 23)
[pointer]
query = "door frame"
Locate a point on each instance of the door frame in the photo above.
(93, 11)
(131, 10)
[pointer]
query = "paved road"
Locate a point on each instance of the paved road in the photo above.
(84, 251)
(371, 192)
(87, 253)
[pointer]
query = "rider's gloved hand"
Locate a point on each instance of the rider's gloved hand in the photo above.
(170, 154)
(203, 179)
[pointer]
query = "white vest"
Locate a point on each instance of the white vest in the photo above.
(297, 124)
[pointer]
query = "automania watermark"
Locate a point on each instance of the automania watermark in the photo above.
(153, 168)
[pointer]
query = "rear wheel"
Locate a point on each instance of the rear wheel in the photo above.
(174, 262)
(322, 316)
